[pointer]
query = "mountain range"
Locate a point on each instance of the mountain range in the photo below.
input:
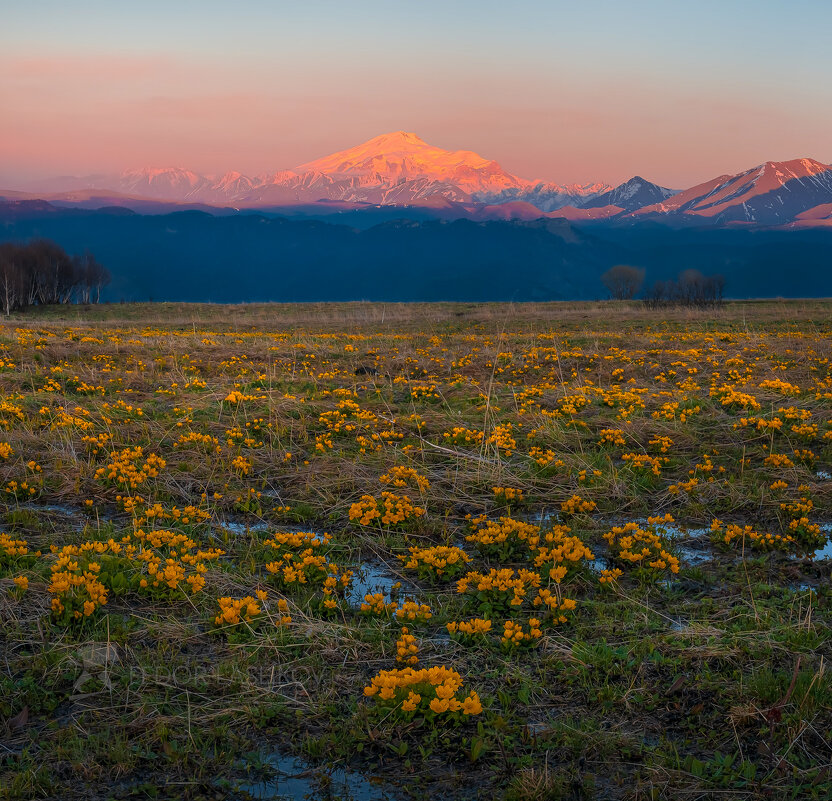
(401, 173)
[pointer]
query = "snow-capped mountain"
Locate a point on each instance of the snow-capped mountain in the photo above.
(770, 194)
(546, 196)
(631, 195)
(395, 168)
(168, 183)
(401, 169)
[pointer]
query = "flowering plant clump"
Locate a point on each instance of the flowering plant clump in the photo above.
(503, 539)
(436, 562)
(610, 576)
(612, 436)
(389, 511)
(645, 463)
(406, 648)
(508, 496)
(75, 589)
(736, 536)
(576, 505)
(808, 536)
(414, 611)
(129, 468)
(376, 605)
(187, 518)
(562, 552)
(306, 568)
(431, 691)
(498, 589)
(14, 553)
(515, 634)
(471, 630)
(559, 608)
(250, 610)
(405, 477)
(642, 547)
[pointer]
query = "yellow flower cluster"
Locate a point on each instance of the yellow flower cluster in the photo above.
(411, 610)
(6, 451)
(733, 534)
(129, 468)
(241, 465)
(194, 438)
(778, 460)
(374, 604)
(473, 628)
(643, 461)
(781, 387)
(235, 397)
(10, 548)
(399, 476)
(436, 689)
(610, 575)
(507, 495)
(237, 610)
(560, 554)
(639, 546)
(503, 538)
(76, 590)
(297, 563)
(545, 458)
(612, 436)
(464, 436)
(557, 605)
(661, 444)
(406, 648)
(438, 561)
(514, 634)
(500, 587)
(730, 398)
(577, 505)
(388, 511)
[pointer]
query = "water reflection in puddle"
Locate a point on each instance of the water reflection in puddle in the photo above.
(296, 779)
(370, 578)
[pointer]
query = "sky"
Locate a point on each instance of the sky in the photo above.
(572, 92)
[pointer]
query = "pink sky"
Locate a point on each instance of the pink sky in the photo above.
(211, 95)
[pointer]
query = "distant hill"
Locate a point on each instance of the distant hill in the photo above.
(196, 256)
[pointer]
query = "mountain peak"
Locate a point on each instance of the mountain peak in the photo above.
(403, 156)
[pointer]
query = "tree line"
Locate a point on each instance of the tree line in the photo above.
(41, 272)
(689, 288)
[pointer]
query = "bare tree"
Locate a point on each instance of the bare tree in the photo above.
(11, 277)
(623, 281)
(41, 272)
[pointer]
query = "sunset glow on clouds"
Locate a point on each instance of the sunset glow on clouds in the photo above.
(677, 97)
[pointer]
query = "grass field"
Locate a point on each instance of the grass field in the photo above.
(450, 551)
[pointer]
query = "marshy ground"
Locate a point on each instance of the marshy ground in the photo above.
(374, 551)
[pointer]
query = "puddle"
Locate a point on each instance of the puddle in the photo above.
(823, 475)
(57, 508)
(241, 529)
(544, 518)
(826, 551)
(598, 564)
(296, 779)
(371, 578)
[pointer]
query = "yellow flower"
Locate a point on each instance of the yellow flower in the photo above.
(471, 705)
(439, 705)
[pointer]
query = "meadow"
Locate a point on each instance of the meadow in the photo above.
(454, 551)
